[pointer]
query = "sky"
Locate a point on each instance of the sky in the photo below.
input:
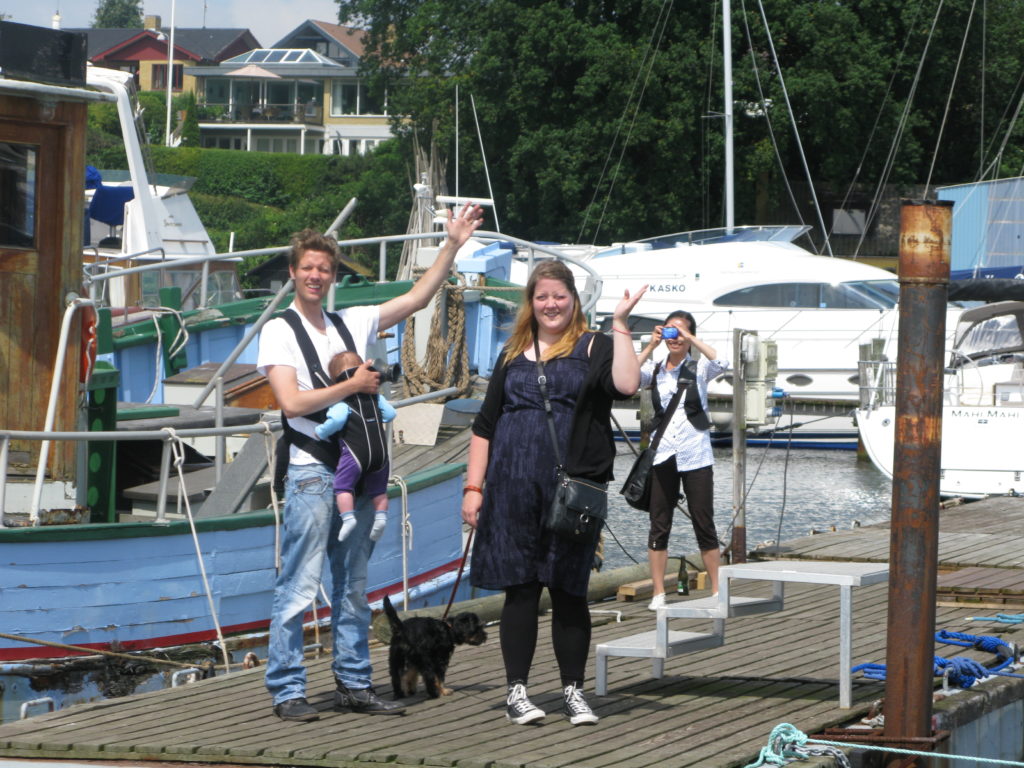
(268, 20)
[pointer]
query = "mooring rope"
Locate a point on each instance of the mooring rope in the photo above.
(179, 461)
(787, 743)
(95, 651)
(446, 363)
(1003, 618)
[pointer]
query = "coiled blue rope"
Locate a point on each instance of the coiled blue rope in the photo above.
(961, 671)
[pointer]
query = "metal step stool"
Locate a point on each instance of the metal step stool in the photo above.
(663, 643)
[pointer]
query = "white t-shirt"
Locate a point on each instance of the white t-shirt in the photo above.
(691, 446)
(278, 346)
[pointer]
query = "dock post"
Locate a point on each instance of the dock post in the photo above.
(914, 539)
(738, 546)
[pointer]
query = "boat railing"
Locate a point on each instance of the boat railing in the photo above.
(877, 383)
(171, 438)
(777, 233)
(285, 289)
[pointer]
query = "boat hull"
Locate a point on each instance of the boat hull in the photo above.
(135, 586)
(977, 455)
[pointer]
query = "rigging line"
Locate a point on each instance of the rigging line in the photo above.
(746, 491)
(984, 52)
(1006, 136)
(767, 116)
(483, 156)
(705, 134)
(622, 119)
(878, 118)
(949, 98)
(796, 133)
(997, 131)
(785, 484)
(894, 147)
(625, 143)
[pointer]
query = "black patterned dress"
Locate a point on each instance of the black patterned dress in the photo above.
(510, 547)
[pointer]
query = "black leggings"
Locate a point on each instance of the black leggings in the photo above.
(570, 632)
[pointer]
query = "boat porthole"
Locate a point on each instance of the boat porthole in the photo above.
(799, 379)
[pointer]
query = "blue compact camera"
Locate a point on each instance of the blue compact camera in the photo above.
(669, 332)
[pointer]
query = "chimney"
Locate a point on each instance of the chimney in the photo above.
(55, 22)
(152, 23)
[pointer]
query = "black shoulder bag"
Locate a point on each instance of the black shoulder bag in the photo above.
(637, 488)
(580, 506)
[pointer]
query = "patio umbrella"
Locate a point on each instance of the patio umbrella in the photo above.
(254, 70)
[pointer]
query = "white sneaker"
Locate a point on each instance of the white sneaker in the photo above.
(519, 709)
(576, 707)
(658, 601)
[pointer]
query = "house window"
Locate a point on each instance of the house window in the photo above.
(17, 195)
(352, 99)
(217, 90)
(160, 77)
(344, 99)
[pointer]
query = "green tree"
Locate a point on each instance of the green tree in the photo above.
(118, 14)
(600, 117)
(186, 102)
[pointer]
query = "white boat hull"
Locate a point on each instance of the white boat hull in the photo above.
(978, 458)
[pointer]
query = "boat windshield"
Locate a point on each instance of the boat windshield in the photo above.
(864, 294)
(776, 233)
(995, 335)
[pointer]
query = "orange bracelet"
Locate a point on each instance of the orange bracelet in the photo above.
(467, 488)
(618, 330)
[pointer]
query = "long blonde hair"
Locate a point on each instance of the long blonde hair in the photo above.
(525, 328)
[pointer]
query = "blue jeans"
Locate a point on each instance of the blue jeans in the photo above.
(310, 533)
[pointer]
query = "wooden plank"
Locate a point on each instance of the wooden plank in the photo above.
(712, 708)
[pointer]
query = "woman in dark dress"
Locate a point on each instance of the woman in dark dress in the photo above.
(510, 480)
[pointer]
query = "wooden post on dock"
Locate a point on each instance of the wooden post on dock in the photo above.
(914, 539)
(738, 548)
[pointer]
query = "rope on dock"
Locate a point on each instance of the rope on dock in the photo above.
(95, 651)
(787, 743)
(959, 670)
(1002, 618)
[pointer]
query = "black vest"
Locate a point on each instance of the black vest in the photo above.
(691, 399)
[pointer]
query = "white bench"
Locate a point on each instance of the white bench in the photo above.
(663, 643)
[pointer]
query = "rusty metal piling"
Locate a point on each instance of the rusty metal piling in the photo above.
(914, 541)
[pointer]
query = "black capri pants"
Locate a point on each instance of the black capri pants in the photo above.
(698, 486)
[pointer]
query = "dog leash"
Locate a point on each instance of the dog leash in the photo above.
(458, 578)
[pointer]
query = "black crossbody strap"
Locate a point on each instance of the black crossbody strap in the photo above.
(542, 380)
(666, 416)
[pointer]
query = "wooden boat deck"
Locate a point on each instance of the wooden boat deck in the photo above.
(712, 709)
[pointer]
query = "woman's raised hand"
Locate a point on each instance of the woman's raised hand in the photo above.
(464, 223)
(625, 306)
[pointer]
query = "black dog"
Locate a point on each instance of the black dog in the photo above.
(422, 647)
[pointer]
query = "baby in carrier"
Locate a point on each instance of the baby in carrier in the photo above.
(358, 421)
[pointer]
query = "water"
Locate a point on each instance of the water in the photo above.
(810, 489)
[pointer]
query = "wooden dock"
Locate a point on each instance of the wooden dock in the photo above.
(712, 709)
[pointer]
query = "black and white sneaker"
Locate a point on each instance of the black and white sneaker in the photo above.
(519, 709)
(576, 707)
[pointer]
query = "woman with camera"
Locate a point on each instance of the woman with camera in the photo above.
(684, 454)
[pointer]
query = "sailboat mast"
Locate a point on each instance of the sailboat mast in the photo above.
(730, 217)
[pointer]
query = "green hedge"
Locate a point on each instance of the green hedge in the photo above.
(264, 197)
